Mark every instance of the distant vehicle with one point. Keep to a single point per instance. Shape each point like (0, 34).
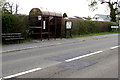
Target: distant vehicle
(101, 17)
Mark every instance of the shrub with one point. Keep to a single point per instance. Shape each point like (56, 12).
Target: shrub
(23, 25)
(9, 23)
(15, 24)
(81, 27)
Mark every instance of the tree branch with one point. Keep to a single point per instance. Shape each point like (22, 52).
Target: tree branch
(105, 2)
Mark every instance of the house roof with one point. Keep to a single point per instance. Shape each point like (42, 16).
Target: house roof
(102, 17)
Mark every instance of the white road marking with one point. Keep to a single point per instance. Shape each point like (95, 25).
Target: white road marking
(83, 56)
(114, 47)
(22, 73)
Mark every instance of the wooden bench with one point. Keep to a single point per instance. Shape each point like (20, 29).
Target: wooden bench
(12, 36)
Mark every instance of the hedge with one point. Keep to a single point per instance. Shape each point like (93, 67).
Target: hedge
(15, 24)
(9, 23)
(19, 23)
(81, 27)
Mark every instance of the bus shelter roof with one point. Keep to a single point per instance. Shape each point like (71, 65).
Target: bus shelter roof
(37, 11)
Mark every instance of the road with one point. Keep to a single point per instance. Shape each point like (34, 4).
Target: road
(51, 62)
(103, 65)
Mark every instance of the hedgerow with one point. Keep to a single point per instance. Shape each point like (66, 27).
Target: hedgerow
(19, 23)
(15, 24)
(81, 27)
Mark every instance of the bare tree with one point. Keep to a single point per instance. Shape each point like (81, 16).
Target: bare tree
(10, 8)
(1, 4)
(113, 6)
(7, 8)
(16, 9)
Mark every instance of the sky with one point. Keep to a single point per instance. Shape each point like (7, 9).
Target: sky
(71, 7)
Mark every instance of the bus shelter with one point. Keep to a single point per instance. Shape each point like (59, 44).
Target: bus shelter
(45, 24)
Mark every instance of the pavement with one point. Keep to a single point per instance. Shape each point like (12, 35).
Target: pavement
(46, 43)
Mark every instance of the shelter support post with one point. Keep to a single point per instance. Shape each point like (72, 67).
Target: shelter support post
(61, 28)
(65, 29)
(55, 27)
(41, 30)
(48, 27)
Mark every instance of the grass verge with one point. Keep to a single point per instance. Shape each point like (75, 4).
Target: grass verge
(93, 34)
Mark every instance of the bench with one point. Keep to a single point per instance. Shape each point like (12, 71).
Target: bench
(12, 36)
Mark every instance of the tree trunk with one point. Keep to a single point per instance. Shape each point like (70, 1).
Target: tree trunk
(112, 12)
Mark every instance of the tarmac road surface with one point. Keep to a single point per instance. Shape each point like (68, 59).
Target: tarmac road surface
(51, 62)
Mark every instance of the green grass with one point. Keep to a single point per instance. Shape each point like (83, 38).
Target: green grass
(93, 34)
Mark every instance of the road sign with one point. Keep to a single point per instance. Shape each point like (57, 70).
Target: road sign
(68, 25)
(44, 24)
(114, 27)
(39, 17)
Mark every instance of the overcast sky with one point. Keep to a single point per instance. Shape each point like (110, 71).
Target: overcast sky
(71, 7)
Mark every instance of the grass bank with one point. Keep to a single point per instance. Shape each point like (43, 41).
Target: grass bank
(92, 34)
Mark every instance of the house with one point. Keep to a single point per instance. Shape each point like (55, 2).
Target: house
(82, 18)
(101, 17)
(74, 18)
